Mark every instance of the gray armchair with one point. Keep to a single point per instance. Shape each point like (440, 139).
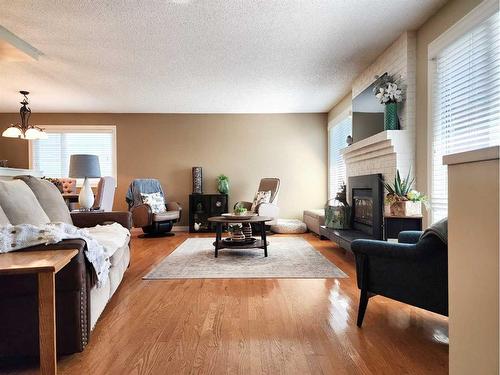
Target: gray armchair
(413, 271)
(270, 209)
(152, 224)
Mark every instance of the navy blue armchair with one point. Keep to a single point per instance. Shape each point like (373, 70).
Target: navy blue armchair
(413, 271)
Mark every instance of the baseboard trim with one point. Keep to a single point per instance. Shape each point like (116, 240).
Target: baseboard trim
(179, 228)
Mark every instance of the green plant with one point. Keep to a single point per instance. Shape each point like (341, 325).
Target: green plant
(239, 209)
(400, 187)
(401, 190)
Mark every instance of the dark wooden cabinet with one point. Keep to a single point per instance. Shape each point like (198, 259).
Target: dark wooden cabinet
(395, 224)
(203, 206)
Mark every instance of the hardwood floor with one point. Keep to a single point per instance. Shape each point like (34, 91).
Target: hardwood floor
(273, 326)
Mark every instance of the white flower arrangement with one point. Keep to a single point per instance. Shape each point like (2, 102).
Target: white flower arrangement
(388, 90)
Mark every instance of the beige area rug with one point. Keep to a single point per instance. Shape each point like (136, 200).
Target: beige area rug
(289, 257)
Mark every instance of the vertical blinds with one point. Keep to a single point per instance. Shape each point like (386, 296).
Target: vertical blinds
(337, 135)
(51, 156)
(466, 102)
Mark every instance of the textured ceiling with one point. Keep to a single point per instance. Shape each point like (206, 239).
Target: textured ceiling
(195, 56)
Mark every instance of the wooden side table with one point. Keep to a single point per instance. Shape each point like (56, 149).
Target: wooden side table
(45, 264)
(395, 224)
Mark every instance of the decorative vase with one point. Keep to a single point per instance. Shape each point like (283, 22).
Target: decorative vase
(247, 230)
(223, 185)
(403, 209)
(197, 180)
(337, 216)
(391, 120)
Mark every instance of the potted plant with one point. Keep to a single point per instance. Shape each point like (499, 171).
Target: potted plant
(389, 91)
(240, 210)
(401, 199)
(223, 184)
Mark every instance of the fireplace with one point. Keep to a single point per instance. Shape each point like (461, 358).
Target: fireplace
(367, 202)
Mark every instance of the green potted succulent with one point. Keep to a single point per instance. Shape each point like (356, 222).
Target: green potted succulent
(401, 199)
(223, 184)
(239, 209)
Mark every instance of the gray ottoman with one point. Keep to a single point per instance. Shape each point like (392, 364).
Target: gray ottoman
(314, 219)
(289, 226)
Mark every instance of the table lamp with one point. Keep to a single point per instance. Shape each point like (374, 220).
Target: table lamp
(85, 166)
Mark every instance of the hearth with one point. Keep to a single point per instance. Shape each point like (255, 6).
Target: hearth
(367, 202)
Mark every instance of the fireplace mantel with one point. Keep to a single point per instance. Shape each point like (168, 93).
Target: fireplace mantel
(384, 153)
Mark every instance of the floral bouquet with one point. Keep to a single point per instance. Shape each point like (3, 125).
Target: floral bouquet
(388, 89)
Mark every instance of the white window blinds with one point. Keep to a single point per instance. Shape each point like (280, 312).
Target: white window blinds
(337, 135)
(466, 102)
(51, 156)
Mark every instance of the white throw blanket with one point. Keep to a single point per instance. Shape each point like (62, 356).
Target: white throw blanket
(102, 241)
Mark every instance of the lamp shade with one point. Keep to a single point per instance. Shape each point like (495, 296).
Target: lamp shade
(82, 165)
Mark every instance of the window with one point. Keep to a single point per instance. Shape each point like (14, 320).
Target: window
(337, 135)
(465, 91)
(51, 156)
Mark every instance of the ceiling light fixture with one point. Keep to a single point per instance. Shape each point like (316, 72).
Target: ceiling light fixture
(24, 130)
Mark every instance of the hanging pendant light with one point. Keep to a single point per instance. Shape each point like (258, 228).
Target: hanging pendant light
(24, 130)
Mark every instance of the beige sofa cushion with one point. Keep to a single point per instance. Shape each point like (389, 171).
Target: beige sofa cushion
(50, 199)
(20, 204)
(3, 218)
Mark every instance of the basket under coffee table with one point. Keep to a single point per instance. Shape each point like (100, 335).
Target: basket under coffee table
(257, 244)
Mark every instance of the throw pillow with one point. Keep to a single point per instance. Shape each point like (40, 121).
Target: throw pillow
(50, 199)
(261, 197)
(4, 220)
(20, 204)
(155, 201)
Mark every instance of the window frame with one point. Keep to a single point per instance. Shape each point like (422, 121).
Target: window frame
(476, 16)
(345, 114)
(82, 129)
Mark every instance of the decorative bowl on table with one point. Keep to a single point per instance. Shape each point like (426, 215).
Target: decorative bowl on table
(235, 216)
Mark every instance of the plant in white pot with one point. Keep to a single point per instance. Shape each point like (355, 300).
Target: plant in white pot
(401, 199)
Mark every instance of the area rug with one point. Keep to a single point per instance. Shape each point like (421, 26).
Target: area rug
(289, 257)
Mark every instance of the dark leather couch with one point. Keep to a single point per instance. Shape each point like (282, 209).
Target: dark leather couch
(413, 271)
(18, 297)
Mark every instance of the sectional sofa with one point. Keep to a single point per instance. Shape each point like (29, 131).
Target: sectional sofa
(79, 302)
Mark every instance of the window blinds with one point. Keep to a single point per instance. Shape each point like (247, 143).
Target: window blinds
(466, 102)
(337, 135)
(51, 156)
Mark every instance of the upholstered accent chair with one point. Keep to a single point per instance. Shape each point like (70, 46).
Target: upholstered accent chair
(152, 224)
(270, 209)
(412, 271)
(105, 194)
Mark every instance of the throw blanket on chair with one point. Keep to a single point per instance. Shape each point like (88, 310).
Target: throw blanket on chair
(102, 241)
(439, 229)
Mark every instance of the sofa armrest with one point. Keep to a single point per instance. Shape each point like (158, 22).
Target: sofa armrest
(142, 216)
(384, 249)
(409, 236)
(91, 219)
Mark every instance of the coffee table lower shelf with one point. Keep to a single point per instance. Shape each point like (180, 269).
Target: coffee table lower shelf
(258, 244)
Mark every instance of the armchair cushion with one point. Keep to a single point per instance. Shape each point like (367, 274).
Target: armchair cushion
(384, 249)
(166, 215)
(155, 201)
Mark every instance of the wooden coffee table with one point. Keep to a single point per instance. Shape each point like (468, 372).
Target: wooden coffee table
(258, 244)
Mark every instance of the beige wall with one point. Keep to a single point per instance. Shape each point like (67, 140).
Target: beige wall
(243, 147)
